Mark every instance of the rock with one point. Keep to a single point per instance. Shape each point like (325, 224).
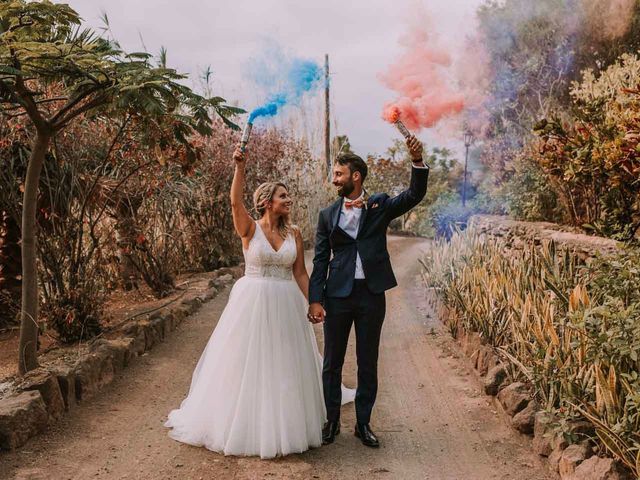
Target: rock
(203, 297)
(120, 351)
(161, 327)
(486, 360)
(544, 433)
(494, 380)
(93, 371)
(67, 381)
(130, 328)
(193, 304)
(554, 458)
(47, 384)
(524, 420)
(571, 457)
(151, 334)
(238, 270)
(597, 468)
(235, 272)
(222, 271)
(223, 280)
(170, 322)
(139, 343)
(179, 314)
(21, 417)
(210, 294)
(514, 398)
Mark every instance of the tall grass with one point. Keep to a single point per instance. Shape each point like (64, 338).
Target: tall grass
(571, 330)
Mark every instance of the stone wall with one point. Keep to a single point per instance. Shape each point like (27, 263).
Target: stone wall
(31, 403)
(519, 234)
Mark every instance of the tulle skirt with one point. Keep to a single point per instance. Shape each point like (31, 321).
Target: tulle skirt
(257, 388)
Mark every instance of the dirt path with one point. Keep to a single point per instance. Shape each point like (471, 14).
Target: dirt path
(431, 418)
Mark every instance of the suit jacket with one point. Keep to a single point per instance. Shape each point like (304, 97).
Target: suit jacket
(370, 243)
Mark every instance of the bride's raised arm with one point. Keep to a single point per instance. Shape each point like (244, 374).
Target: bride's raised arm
(242, 221)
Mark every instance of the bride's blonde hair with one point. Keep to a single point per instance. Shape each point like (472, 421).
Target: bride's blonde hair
(261, 198)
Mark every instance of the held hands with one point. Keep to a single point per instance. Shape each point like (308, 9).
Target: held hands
(316, 313)
(415, 148)
(239, 156)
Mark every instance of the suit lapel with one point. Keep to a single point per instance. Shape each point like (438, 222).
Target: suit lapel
(335, 213)
(363, 217)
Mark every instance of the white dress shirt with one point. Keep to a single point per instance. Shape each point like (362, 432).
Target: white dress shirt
(349, 222)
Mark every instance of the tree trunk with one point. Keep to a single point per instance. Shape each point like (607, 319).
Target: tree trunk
(126, 233)
(28, 356)
(10, 269)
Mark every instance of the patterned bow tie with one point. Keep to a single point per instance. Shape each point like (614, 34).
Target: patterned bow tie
(357, 203)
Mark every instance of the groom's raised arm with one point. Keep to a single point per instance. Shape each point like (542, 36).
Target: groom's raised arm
(320, 262)
(401, 204)
(406, 200)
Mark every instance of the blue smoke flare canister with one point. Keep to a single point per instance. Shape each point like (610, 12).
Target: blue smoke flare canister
(245, 135)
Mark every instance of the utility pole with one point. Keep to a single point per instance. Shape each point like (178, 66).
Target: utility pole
(327, 118)
(468, 141)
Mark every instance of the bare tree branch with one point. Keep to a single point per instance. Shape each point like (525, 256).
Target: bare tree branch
(96, 102)
(73, 101)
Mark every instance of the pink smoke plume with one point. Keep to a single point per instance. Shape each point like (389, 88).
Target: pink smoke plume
(422, 79)
(472, 69)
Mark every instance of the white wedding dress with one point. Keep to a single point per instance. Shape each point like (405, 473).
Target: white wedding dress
(257, 388)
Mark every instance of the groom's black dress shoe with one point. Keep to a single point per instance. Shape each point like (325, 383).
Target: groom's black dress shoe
(329, 432)
(366, 436)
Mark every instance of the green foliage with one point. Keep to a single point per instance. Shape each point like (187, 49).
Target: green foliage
(571, 330)
(568, 62)
(528, 194)
(44, 44)
(593, 160)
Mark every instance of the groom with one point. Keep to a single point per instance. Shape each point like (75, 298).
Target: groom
(354, 230)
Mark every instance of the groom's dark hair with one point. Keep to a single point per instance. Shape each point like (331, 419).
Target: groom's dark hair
(354, 162)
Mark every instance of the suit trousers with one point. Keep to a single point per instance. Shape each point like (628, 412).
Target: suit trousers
(366, 310)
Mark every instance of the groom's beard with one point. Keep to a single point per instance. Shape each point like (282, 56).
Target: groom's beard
(346, 189)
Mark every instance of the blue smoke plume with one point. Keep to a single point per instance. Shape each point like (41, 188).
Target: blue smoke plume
(290, 78)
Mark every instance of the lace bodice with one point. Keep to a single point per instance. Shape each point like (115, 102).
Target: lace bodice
(261, 260)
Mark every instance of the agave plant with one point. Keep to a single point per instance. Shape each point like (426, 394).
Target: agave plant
(570, 329)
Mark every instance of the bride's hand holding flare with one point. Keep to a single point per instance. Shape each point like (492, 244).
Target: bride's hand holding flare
(242, 221)
(239, 156)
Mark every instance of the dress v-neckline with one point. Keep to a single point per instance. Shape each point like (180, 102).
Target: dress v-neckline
(267, 239)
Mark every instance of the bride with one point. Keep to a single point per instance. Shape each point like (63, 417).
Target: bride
(257, 387)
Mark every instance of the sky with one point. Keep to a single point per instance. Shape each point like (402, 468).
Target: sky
(360, 36)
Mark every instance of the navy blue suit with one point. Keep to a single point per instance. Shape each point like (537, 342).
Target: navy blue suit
(361, 302)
